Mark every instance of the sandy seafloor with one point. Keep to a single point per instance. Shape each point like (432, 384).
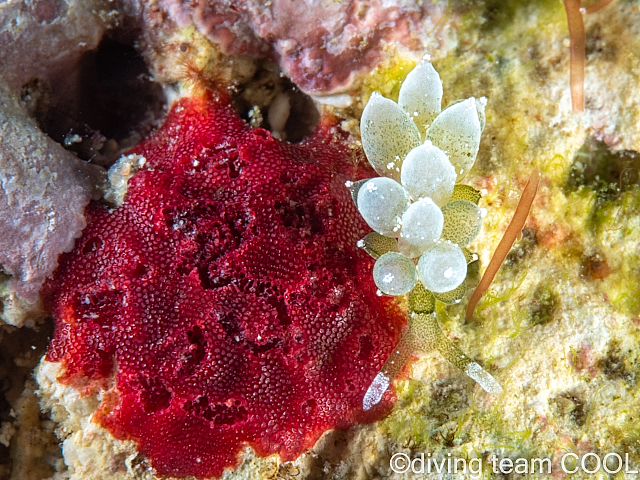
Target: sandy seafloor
(560, 326)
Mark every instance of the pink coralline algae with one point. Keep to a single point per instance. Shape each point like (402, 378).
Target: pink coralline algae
(45, 39)
(43, 192)
(320, 45)
(226, 295)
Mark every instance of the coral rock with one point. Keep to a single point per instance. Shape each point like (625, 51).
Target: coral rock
(46, 38)
(226, 293)
(320, 45)
(43, 192)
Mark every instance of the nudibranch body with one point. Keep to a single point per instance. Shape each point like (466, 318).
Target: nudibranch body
(419, 212)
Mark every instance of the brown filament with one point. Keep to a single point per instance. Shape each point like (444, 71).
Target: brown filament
(510, 235)
(577, 49)
(597, 6)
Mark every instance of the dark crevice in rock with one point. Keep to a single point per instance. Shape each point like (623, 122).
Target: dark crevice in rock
(596, 167)
(20, 351)
(264, 100)
(104, 105)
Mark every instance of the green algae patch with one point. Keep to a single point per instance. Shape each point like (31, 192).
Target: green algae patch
(445, 420)
(498, 14)
(624, 284)
(423, 414)
(387, 78)
(544, 303)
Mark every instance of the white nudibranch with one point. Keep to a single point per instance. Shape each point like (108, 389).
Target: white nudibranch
(421, 153)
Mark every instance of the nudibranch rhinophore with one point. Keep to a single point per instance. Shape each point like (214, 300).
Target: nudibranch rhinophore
(419, 211)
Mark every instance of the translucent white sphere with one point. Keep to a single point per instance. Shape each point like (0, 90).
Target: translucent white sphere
(427, 172)
(381, 202)
(462, 222)
(422, 223)
(442, 267)
(394, 274)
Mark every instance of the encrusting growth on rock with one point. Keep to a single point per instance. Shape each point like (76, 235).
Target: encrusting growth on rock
(225, 299)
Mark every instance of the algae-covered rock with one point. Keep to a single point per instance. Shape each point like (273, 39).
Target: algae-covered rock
(558, 329)
(322, 46)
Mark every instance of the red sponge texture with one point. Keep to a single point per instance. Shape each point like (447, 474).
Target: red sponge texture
(226, 296)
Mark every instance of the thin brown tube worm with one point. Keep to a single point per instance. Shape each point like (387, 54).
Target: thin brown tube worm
(597, 6)
(577, 49)
(510, 235)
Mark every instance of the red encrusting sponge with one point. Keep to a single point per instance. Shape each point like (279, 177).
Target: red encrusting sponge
(226, 295)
